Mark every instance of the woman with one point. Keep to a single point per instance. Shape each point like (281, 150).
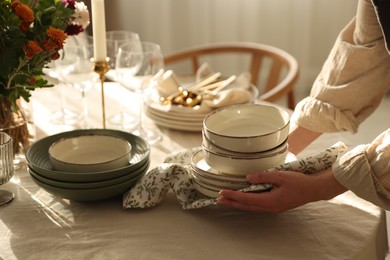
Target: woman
(349, 88)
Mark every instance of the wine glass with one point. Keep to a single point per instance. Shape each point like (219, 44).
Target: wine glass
(62, 115)
(114, 40)
(6, 167)
(77, 68)
(135, 70)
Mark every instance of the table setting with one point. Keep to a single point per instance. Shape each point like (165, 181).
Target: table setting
(166, 103)
(139, 225)
(138, 173)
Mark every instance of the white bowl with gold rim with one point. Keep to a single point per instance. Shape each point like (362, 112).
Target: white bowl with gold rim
(90, 153)
(242, 165)
(247, 128)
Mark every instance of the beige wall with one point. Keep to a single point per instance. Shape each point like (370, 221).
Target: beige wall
(305, 28)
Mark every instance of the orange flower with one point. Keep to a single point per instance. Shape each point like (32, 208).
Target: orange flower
(28, 51)
(56, 35)
(23, 12)
(34, 46)
(49, 45)
(31, 49)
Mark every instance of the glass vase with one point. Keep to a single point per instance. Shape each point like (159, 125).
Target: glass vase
(17, 122)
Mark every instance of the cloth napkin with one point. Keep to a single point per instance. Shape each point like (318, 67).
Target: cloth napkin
(237, 92)
(174, 174)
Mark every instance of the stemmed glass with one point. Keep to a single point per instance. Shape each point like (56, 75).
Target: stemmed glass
(6, 167)
(62, 115)
(114, 40)
(135, 70)
(77, 68)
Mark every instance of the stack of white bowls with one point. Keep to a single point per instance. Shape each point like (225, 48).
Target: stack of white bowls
(239, 140)
(88, 165)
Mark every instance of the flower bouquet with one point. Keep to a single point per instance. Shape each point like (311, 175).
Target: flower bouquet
(32, 32)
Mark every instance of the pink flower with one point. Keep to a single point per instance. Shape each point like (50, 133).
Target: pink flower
(69, 3)
(73, 29)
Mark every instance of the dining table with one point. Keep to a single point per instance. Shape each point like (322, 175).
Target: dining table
(41, 225)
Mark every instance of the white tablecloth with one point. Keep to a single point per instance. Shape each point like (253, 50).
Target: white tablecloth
(38, 225)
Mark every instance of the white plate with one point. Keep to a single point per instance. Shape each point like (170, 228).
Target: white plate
(176, 117)
(178, 111)
(174, 122)
(178, 125)
(199, 164)
(179, 118)
(217, 184)
(208, 181)
(207, 192)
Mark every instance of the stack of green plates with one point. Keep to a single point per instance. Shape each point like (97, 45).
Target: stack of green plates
(87, 186)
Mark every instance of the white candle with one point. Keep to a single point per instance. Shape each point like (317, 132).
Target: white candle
(99, 30)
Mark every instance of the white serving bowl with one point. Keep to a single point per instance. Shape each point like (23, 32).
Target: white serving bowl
(241, 165)
(199, 164)
(207, 144)
(247, 128)
(90, 153)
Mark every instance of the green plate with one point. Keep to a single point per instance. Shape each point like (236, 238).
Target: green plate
(90, 185)
(38, 159)
(85, 195)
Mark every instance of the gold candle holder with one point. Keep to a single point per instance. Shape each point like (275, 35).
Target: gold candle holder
(101, 68)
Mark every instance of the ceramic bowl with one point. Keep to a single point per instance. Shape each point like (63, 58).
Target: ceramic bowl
(92, 194)
(241, 165)
(247, 128)
(199, 164)
(89, 185)
(207, 144)
(38, 158)
(90, 153)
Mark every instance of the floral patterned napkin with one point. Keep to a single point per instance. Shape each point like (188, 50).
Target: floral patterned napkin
(174, 174)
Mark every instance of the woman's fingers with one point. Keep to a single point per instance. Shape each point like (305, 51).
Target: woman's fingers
(289, 190)
(237, 205)
(262, 201)
(275, 177)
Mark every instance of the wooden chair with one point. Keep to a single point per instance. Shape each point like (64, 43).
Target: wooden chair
(274, 71)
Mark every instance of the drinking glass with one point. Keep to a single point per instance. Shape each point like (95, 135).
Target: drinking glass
(77, 68)
(6, 167)
(114, 39)
(135, 70)
(62, 115)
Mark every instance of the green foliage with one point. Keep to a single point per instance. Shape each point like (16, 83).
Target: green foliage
(26, 48)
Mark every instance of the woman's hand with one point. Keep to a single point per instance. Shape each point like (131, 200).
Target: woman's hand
(290, 190)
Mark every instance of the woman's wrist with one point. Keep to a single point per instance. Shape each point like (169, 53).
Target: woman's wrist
(299, 138)
(326, 185)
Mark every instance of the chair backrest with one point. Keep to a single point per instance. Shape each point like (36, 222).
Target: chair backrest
(274, 71)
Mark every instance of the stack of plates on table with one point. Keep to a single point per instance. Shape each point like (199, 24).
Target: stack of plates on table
(180, 120)
(87, 186)
(209, 181)
(180, 117)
